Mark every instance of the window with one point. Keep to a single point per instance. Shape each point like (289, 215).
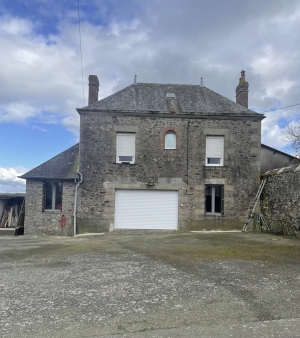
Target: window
(214, 151)
(170, 140)
(171, 96)
(52, 196)
(125, 148)
(214, 199)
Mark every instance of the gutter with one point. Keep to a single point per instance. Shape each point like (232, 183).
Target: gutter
(75, 199)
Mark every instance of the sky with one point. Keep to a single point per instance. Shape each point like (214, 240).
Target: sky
(162, 41)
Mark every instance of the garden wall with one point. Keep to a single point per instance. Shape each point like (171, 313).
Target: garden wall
(280, 199)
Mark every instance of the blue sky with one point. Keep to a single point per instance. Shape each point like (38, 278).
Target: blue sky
(162, 41)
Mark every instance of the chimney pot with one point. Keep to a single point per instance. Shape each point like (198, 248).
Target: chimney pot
(93, 88)
(242, 91)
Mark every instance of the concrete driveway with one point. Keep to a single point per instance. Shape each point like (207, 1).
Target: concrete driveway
(158, 285)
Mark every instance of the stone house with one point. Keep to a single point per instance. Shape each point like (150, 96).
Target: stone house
(151, 156)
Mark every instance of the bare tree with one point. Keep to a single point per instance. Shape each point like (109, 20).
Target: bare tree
(291, 134)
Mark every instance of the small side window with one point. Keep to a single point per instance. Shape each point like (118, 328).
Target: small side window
(52, 196)
(170, 140)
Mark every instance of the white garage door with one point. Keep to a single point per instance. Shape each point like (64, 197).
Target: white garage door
(146, 209)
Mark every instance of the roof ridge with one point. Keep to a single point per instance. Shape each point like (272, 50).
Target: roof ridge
(109, 96)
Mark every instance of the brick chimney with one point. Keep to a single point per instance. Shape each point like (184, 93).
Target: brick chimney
(242, 91)
(93, 88)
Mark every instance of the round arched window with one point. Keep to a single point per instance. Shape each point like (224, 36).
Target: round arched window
(170, 140)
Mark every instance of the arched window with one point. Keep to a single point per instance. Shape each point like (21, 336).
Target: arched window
(170, 140)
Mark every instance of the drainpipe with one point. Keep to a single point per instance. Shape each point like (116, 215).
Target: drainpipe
(75, 198)
(187, 156)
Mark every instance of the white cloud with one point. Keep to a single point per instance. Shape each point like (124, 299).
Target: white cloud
(161, 41)
(9, 181)
(17, 112)
(40, 129)
(15, 26)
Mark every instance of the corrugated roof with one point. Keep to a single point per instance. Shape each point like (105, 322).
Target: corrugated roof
(152, 97)
(61, 166)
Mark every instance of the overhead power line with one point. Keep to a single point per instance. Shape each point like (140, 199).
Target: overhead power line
(293, 105)
(79, 31)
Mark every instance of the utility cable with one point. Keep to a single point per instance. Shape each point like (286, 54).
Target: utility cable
(293, 105)
(80, 54)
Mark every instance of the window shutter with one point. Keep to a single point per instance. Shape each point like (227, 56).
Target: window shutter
(215, 147)
(62, 185)
(125, 145)
(44, 196)
(222, 196)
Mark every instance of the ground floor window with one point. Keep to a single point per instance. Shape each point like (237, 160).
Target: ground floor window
(52, 196)
(214, 199)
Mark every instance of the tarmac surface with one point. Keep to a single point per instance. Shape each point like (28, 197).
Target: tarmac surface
(201, 284)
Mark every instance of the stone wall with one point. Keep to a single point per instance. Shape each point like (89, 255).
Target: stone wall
(280, 198)
(182, 169)
(47, 222)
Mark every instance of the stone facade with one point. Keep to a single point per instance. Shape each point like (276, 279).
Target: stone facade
(47, 222)
(181, 169)
(212, 195)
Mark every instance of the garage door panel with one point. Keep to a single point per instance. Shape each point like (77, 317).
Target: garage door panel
(144, 209)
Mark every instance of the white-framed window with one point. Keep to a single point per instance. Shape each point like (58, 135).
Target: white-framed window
(125, 148)
(170, 140)
(214, 151)
(52, 196)
(214, 197)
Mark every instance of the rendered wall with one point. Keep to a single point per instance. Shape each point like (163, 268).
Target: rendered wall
(271, 159)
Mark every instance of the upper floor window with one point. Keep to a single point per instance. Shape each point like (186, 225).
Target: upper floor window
(214, 151)
(52, 196)
(170, 140)
(125, 148)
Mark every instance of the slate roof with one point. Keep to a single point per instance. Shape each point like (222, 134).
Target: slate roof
(151, 97)
(292, 168)
(62, 166)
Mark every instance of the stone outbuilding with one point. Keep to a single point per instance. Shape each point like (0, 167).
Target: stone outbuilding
(151, 156)
(272, 158)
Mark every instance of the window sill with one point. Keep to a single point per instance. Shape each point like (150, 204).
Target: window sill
(124, 163)
(213, 214)
(215, 166)
(52, 210)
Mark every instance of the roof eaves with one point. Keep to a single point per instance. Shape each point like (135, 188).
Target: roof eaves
(279, 151)
(48, 178)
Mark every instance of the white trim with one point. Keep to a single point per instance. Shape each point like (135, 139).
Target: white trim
(170, 132)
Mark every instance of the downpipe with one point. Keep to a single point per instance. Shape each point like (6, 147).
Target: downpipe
(75, 199)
